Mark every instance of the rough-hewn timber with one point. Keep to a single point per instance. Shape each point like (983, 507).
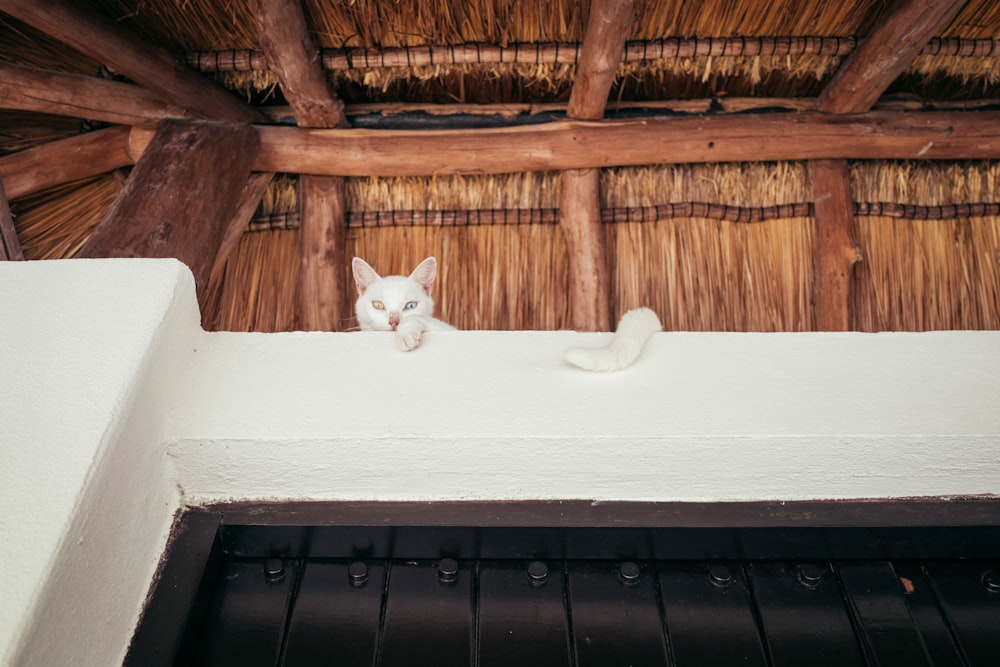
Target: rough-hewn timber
(180, 196)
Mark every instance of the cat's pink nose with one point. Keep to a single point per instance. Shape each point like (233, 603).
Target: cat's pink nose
(394, 321)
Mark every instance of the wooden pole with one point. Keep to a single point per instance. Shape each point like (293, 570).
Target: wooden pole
(180, 196)
(295, 60)
(151, 67)
(580, 219)
(10, 246)
(579, 196)
(322, 302)
(835, 249)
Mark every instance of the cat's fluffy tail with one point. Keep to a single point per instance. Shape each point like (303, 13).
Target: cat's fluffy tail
(634, 329)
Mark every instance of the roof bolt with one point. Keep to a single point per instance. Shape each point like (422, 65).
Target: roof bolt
(810, 575)
(991, 580)
(274, 570)
(629, 572)
(357, 573)
(448, 570)
(720, 575)
(538, 572)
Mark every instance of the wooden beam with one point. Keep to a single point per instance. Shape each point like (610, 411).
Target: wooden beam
(952, 135)
(322, 268)
(295, 60)
(79, 96)
(579, 195)
(180, 196)
(10, 246)
(880, 135)
(66, 160)
(885, 53)
(151, 67)
(835, 247)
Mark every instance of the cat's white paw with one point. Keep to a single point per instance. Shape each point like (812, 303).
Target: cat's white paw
(408, 340)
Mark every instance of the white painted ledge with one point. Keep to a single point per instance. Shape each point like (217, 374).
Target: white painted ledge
(499, 415)
(116, 409)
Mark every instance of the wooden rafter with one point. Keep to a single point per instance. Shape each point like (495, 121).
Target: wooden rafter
(885, 53)
(579, 196)
(151, 67)
(295, 60)
(79, 96)
(855, 88)
(239, 221)
(58, 162)
(10, 246)
(180, 197)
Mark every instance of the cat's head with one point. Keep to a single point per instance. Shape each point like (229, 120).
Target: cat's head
(384, 302)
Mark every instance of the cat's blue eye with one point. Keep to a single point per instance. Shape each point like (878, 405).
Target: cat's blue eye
(410, 305)
(378, 305)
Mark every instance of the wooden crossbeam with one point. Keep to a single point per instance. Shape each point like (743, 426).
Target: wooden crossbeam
(879, 135)
(149, 66)
(180, 196)
(10, 246)
(79, 96)
(295, 60)
(579, 195)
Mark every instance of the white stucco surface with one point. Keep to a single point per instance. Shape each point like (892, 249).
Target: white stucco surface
(86, 350)
(116, 409)
(484, 415)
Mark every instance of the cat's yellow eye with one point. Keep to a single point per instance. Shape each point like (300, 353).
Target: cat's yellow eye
(410, 305)
(378, 305)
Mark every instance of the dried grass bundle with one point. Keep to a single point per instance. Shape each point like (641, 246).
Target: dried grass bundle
(20, 130)
(23, 45)
(257, 289)
(933, 274)
(56, 223)
(705, 275)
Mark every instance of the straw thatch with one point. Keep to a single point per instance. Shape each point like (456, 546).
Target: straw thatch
(709, 246)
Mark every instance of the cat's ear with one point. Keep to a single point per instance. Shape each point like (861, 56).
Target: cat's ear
(364, 275)
(425, 274)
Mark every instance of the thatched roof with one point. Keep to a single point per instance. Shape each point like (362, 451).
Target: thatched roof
(722, 134)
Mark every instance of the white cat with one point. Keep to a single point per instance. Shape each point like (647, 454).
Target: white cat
(397, 303)
(403, 304)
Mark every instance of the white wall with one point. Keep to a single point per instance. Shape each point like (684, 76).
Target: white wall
(115, 409)
(88, 352)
